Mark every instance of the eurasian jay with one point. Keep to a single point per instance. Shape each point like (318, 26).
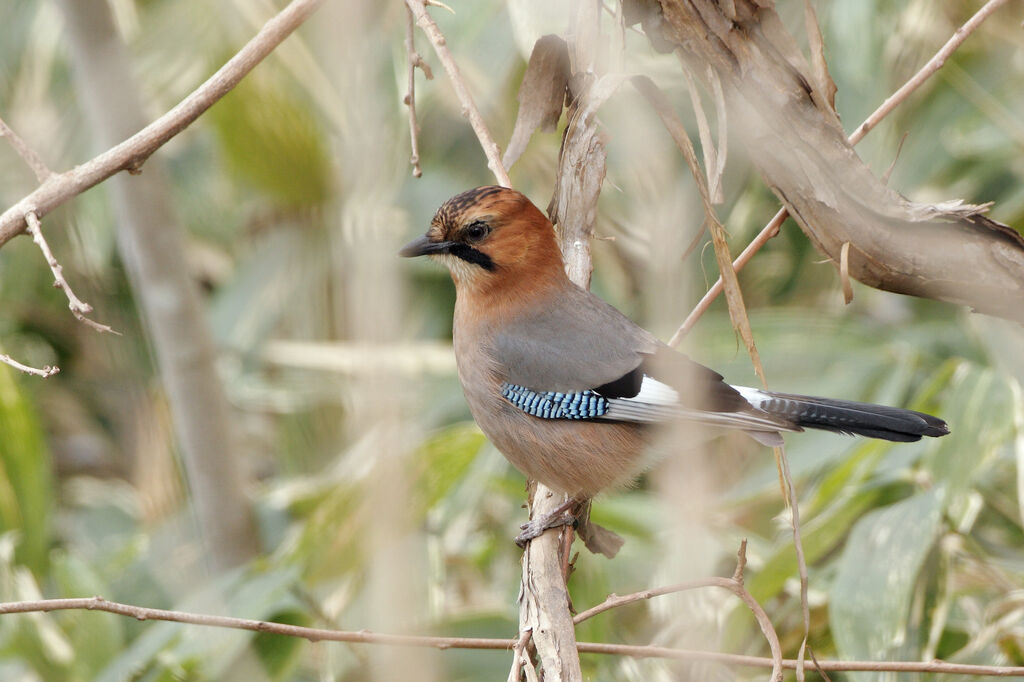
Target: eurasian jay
(565, 386)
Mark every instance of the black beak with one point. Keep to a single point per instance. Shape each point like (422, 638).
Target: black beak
(422, 246)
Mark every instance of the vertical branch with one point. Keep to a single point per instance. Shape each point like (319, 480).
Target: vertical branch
(415, 60)
(469, 108)
(152, 247)
(544, 601)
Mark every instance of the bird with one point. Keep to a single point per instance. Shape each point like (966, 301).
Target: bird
(566, 386)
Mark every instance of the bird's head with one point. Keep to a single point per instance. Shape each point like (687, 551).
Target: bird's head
(488, 236)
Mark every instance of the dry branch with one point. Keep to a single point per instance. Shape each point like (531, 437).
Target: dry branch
(129, 155)
(366, 637)
(415, 61)
(544, 597)
(44, 372)
(469, 108)
(733, 584)
(948, 252)
(78, 307)
(772, 228)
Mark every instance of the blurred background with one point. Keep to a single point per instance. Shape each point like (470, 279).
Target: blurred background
(278, 432)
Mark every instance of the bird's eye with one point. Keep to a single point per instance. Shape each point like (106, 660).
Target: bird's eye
(476, 231)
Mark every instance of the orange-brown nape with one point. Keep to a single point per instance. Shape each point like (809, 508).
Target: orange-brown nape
(491, 238)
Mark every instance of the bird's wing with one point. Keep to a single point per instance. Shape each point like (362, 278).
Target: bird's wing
(574, 341)
(580, 358)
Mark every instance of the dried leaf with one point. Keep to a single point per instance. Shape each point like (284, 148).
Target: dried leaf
(711, 163)
(844, 273)
(541, 94)
(730, 283)
(581, 170)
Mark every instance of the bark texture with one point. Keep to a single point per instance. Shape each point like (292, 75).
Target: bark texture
(949, 251)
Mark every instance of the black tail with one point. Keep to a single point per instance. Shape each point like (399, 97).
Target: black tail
(847, 416)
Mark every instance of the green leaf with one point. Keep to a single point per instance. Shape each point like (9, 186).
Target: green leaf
(877, 576)
(272, 141)
(444, 458)
(26, 489)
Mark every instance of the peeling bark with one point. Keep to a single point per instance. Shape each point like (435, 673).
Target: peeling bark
(948, 252)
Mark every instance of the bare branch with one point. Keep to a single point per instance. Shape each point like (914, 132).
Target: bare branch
(469, 109)
(790, 664)
(926, 71)
(733, 584)
(27, 154)
(798, 544)
(129, 155)
(415, 60)
(544, 597)
(519, 657)
(366, 637)
(767, 232)
(45, 372)
(79, 308)
(772, 228)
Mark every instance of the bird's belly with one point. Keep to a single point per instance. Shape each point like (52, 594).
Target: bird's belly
(576, 457)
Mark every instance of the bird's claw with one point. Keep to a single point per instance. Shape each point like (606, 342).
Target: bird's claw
(535, 528)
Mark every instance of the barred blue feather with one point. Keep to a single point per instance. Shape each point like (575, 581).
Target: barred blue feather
(554, 405)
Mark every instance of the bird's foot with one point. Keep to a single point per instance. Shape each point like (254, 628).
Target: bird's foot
(536, 527)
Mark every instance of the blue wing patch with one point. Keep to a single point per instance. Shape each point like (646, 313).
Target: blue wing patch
(552, 405)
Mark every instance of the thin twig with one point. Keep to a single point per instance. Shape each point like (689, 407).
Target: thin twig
(469, 109)
(27, 154)
(133, 152)
(926, 71)
(817, 665)
(801, 560)
(366, 637)
(518, 654)
(940, 667)
(772, 228)
(614, 601)
(79, 308)
(766, 233)
(733, 584)
(47, 371)
(415, 60)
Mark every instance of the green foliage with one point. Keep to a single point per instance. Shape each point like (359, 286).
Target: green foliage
(273, 142)
(26, 491)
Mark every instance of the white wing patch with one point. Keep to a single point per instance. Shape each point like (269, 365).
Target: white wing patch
(659, 402)
(753, 396)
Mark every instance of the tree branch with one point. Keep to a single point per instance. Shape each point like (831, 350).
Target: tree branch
(129, 155)
(772, 228)
(27, 154)
(469, 109)
(415, 60)
(733, 584)
(45, 372)
(78, 307)
(366, 637)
